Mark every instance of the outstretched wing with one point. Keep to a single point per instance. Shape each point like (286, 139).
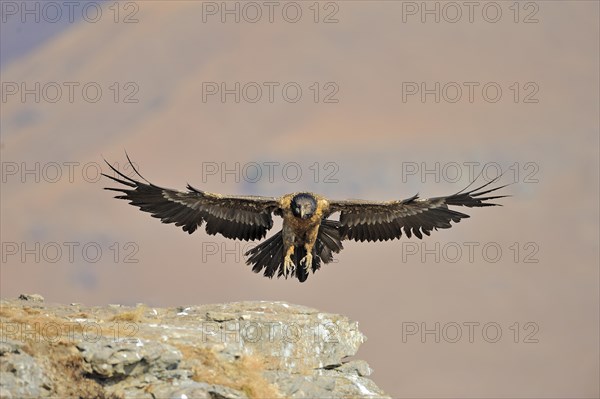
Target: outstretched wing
(237, 217)
(382, 221)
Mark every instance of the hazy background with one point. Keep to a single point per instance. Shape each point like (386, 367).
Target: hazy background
(153, 62)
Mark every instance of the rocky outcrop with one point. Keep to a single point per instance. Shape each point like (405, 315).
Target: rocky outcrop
(235, 350)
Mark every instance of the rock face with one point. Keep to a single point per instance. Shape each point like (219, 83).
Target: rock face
(235, 350)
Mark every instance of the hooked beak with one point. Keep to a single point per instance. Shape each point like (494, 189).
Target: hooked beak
(303, 214)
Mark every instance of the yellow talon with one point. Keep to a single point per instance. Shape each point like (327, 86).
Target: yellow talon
(288, 266)
(307, 262)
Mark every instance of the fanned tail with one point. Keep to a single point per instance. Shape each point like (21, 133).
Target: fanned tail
(268, 255)
(329, 240)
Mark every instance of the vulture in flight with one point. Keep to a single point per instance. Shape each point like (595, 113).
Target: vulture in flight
(308, 237)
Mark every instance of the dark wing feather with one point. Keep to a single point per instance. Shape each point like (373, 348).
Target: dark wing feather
(237, 217)
(381, 221)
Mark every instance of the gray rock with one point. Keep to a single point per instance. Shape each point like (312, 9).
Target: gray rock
(108, 359)
(288, 336)
(197, 390)
(307, 386)
(220, 316)
(10, 346)
(31, 297)
(328, 383)
(20, 374)
(358, 367)
(234, 350)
